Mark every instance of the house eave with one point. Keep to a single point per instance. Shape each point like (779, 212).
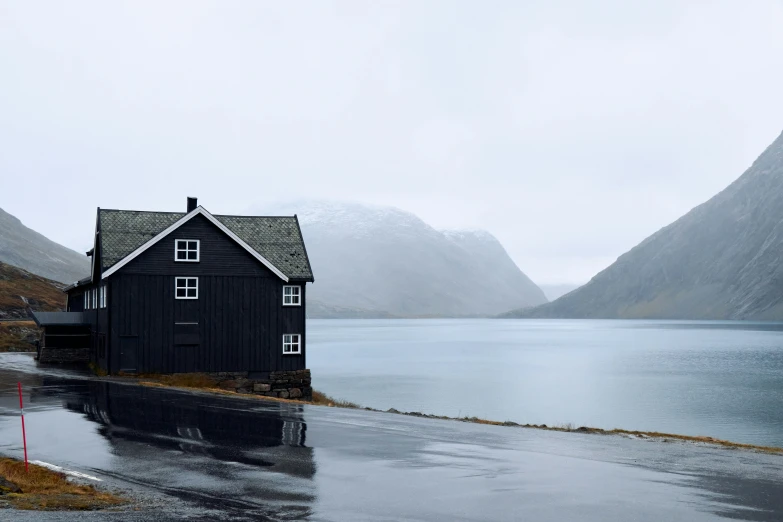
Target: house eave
(76, 284)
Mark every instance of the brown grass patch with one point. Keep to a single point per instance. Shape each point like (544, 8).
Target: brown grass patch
(41, 293)
(181, 380)
(322, 399)
(44, 489)
(97, 370)
(692, 438)
(15, 335)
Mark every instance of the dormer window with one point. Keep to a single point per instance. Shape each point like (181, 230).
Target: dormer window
(186, 250)
(292, 296)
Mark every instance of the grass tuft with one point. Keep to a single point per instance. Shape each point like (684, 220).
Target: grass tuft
(97, 370)
(324, 400)
(44, 489)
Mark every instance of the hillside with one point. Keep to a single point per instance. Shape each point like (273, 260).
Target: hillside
(26, 248)
(386, 260)
(20, 290)
(722, 260)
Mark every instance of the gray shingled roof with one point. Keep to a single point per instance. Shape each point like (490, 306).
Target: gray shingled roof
(277, 239)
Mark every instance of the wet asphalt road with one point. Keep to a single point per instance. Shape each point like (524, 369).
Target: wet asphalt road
(191, 456)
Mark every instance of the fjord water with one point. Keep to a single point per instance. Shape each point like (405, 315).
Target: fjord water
(719, 379)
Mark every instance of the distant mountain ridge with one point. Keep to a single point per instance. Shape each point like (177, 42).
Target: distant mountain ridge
(721, 260)
(23, 247)
(382, 259)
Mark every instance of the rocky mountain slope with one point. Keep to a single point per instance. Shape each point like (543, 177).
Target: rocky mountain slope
(722, 260)
(26, 248)
(389, 261)
(19, 291)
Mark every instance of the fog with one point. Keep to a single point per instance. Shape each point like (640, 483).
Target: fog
(570, 130)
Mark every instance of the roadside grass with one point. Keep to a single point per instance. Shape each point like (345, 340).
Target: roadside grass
(44, 489)
(182, 380)
(692, 438)
(322, 399)
(200, 381)
(208, 384)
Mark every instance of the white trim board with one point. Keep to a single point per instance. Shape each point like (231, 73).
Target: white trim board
(184, 219)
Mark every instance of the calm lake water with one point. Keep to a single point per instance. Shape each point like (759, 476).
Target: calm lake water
(722, 379)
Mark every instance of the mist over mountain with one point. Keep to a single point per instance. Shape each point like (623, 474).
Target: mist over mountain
(721, 260)
(553, 292)
(27, 249)
(386, 260)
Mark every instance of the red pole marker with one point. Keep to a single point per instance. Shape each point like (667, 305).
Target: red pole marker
(24, 436)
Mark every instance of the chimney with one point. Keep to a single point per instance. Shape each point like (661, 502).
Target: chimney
(192, 204)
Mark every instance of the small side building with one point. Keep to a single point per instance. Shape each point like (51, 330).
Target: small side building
(181, 292)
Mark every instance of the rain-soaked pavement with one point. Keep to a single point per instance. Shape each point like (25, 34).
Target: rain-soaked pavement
(192, 456)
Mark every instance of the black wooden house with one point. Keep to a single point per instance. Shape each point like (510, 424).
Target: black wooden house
(175, 292)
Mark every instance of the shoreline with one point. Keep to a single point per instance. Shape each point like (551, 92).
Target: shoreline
(329, 402)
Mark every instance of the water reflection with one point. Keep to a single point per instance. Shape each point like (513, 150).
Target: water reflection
(218, 451)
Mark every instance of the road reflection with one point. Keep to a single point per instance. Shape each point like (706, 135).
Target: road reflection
(222, 452)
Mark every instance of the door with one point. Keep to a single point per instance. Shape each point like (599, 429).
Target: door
(128, 348)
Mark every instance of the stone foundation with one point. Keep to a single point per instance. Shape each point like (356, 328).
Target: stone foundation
(64, 355)
(295, 384)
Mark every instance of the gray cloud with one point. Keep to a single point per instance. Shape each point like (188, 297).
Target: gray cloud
(571, 130)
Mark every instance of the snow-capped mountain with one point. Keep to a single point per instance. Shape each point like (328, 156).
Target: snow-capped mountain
(382, 258)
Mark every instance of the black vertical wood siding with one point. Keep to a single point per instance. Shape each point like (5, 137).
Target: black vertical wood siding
(240, 324)
(239, 311)
(75, 301)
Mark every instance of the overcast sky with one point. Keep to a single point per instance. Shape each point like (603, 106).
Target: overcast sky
(571, 130)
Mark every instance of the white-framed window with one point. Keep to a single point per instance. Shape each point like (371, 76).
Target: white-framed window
(86, 300)
(187, 250)
(292, 344)
(94, 299)
(292, 296)
(186, 287)
(102, 297)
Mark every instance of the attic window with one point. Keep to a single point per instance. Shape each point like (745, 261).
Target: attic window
(186, 287)
(292, 296)
(186, 250)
